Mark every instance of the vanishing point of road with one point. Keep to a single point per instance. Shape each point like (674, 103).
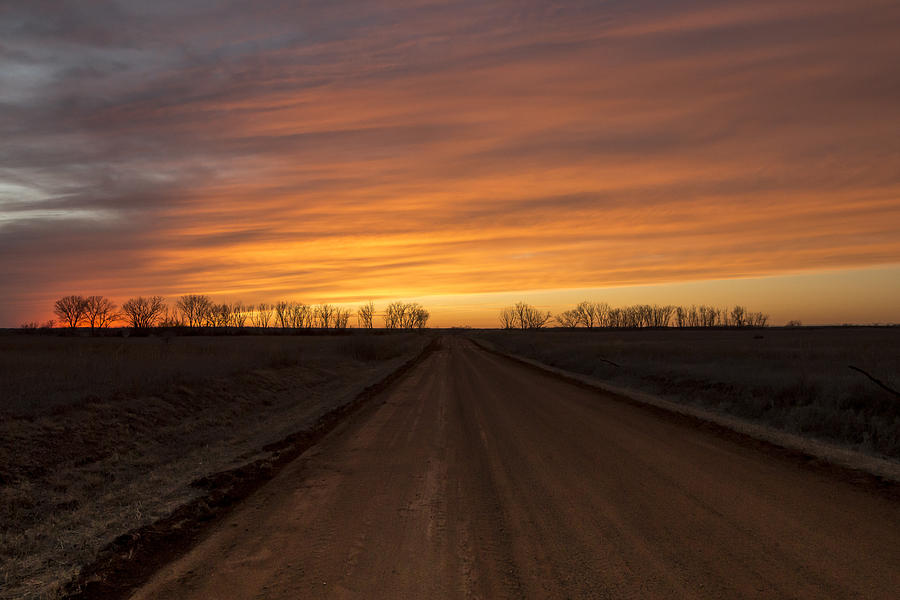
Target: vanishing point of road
(477, 477)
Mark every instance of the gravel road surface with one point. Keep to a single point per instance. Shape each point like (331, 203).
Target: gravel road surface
(477, 477)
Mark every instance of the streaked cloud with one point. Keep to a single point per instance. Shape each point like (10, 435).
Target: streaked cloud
(345, 150)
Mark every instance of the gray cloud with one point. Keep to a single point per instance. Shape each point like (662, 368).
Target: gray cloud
(140, 138)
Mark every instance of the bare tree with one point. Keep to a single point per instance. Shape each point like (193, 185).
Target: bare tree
(262, 316)
(616, 317)
(341, 317)
(403, 315)
(601, 312)
(394, 315)
(298, 315)
(71, 310)
(568, 318)
(661, 315)
(325, 315)
(693, 317)
(143, 313)
(680, 316)
(99, 312)
(586, 314)
(310, 317)
(529, 317)
(416, 316)
(758, 319)
(364, 315)
(194, 308)
(282, 314)
(217, 315)
(708, 316)
(238, 314)
(171, 318)
(508, 318)
(738, 317)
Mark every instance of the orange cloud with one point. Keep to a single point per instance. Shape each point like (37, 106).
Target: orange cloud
(433, 149)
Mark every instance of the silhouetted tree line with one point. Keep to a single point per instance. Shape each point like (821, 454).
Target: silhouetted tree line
(200, 311)
(523, 316)
(599, 314)
(401, 315)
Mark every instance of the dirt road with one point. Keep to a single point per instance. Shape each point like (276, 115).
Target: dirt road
(478, 477)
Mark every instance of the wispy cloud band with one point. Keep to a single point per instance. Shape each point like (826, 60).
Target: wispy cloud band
(341, 150)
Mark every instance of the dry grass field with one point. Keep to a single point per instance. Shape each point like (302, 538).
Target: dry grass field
(795, 379)
(99, 436)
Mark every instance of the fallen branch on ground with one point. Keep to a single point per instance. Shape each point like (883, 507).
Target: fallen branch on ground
(878, 382)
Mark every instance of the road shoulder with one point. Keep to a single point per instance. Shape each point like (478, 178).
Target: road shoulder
(870, 471)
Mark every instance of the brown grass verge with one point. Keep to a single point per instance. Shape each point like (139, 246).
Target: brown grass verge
(90, 455)
(131, 558)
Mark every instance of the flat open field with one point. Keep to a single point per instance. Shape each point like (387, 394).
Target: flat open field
(477, 477)
(472, 476)
(796, 380)
(99, 436)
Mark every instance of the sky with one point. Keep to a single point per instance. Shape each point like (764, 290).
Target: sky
(464, 154)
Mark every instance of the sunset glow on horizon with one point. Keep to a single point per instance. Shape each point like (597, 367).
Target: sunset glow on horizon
(462, 154)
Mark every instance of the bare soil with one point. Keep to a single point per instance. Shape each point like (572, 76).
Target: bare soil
(478, 477)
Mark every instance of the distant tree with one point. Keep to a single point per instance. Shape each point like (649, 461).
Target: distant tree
(568, 318)
(364, 315)
(298, 315)
(262, 316)
(171, 317)
(586, 314)
(70, 310)
(310, 317)
(194, 308)
(282, 314)
(394, 315)
(738, 317)
(325, 315)
(709, 316)
(100, 312)
(757, 319)
(29, 326)
(341, 317)
(217, 315)
(601, 312)
(661, 315)
(616, 318)
(238, 314)
(529, 317)
(403, 315)
(416, 316)
(794, 323)
(143, 313)
(680, 316)
(508, 318)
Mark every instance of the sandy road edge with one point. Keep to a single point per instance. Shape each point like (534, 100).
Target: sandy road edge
(129, 560)
(873, 472)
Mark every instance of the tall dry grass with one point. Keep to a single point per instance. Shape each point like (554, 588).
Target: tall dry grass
(101, 436)
(44, 372)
